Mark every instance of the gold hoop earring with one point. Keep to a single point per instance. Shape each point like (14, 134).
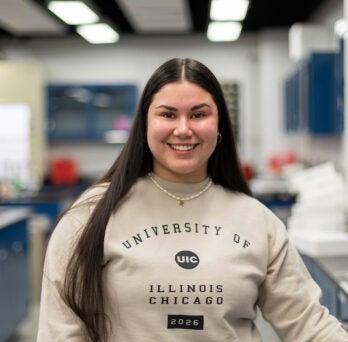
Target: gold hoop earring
(219, 138)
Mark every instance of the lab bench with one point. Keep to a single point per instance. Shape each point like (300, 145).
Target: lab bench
(21, 275)
(14, 269)
(331, 274)
(51, 201)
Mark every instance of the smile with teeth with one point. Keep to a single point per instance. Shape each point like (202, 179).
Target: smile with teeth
(182, 147)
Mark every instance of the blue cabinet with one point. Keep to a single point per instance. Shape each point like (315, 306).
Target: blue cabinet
(314, 95)
(322, 116)
(88, 112)
(296, 99)
(14, 272)
(339, 86)
(292, 91)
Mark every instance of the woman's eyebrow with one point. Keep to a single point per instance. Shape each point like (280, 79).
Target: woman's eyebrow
(192, 108)
(167, 107)
(199, 106)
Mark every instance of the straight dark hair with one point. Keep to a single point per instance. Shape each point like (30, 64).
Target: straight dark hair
(83, 287)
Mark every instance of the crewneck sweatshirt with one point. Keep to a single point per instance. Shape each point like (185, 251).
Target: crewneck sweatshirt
(191, 273)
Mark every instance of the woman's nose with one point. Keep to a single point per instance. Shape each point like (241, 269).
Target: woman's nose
(183, 127)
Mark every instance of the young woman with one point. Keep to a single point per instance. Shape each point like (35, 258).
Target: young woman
(169, 245)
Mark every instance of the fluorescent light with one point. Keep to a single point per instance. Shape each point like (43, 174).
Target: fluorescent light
(73, 12)
(98, 33)
(224, 31)
(341, 27)
(228, 10)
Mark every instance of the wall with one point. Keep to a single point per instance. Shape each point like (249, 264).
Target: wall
(274, 64)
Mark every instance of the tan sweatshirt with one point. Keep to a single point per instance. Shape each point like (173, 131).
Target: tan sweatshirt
(191, 273)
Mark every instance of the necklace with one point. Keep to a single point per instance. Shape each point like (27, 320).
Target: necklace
(181, 200)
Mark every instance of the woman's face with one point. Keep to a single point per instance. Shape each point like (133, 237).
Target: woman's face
(182, 130)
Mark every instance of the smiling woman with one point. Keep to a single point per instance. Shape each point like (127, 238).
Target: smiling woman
(169, 245)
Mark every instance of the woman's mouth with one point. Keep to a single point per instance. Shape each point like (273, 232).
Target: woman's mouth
(185, 147)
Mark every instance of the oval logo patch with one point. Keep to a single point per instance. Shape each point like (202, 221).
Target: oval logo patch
(187, 259)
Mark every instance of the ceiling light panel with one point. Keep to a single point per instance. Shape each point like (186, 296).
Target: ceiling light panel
(228, 9)
(73, 12)
(22, 17)
(224, 31)
(98, 33)
(157, 16)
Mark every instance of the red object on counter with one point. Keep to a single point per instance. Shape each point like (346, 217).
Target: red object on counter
(247, 171)
(277, 161)
(63, 172)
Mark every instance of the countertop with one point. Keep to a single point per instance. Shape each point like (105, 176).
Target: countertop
(9, 216)
(47, 194)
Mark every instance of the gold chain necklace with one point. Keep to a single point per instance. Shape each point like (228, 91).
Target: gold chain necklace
(181, 200)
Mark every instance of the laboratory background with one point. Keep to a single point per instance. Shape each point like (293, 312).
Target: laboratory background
(67, 100)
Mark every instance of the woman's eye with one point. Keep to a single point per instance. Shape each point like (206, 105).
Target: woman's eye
(168, 115)
(198, 115)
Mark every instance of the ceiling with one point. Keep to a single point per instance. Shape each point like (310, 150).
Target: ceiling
(25, 19)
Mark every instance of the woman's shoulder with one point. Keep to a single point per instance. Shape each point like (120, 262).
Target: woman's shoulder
(92, 194)
(75, 217)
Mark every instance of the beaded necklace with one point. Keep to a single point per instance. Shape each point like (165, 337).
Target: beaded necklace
(181, 200)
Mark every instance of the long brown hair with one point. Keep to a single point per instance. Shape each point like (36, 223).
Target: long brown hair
(83, 288)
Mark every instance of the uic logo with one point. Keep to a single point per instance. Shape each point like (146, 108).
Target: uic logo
(187, 259)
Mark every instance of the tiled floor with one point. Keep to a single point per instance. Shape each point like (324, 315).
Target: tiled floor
(28, 329)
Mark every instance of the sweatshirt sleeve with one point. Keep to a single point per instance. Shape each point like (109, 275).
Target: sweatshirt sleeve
(57, 322)
(289, 298)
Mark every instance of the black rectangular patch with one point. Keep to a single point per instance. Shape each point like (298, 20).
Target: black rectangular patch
(185, 322)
